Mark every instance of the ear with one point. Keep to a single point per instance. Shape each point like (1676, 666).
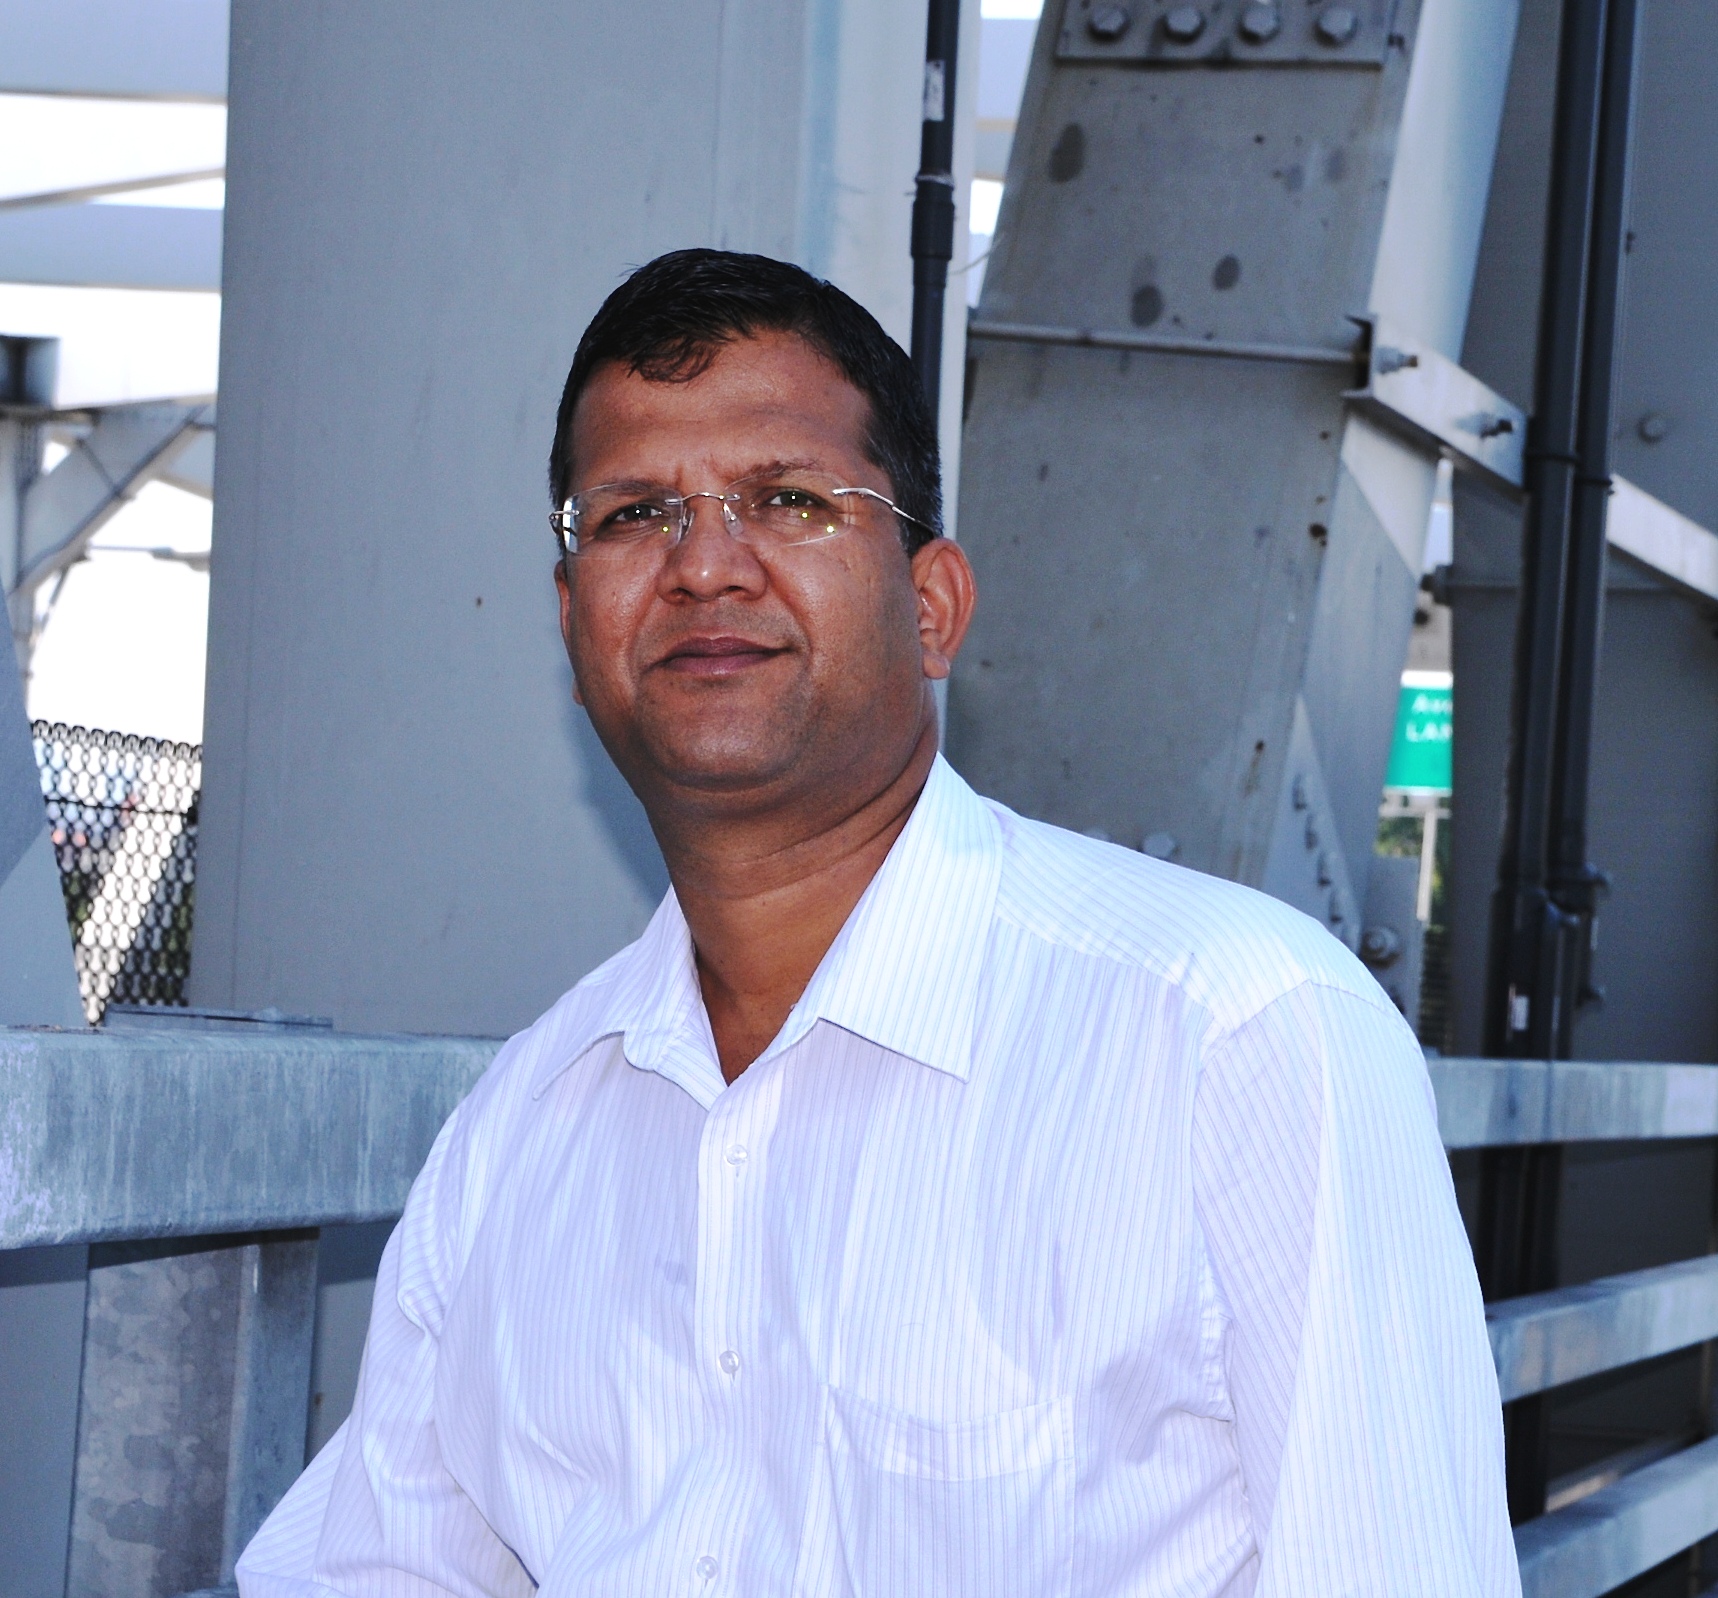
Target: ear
(947, 595)
(566, 595)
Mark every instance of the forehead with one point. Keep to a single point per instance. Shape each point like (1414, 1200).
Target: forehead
(768, 397)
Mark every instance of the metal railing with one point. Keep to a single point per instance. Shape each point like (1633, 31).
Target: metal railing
(178, 1133)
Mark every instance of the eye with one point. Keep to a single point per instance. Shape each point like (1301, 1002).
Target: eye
(636, 514)
(796, 499)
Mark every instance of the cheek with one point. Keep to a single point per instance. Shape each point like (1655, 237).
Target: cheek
(605, 618)
(864, 623)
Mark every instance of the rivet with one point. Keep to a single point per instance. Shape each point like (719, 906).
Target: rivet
(1184, 24)
(1159, 845)
(1337, 25)
(1109, 23)
(1260, 22)
(1653, 428)
(1324, 877)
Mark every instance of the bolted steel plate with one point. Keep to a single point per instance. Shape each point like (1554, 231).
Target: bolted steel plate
(1159, 33)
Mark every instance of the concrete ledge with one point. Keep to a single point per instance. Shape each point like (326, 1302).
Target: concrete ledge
(1487, 1103)
(1607, 1539)
(170, 1133)
(1547, 1339)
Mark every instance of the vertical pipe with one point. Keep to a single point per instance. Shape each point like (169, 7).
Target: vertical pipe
(933, 198)
(1526, 926)
(1575, 883)
(1528, 997)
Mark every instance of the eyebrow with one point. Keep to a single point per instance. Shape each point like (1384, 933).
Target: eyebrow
(761, 469)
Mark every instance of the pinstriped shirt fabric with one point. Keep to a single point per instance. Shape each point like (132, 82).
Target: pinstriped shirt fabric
(1084, 1232)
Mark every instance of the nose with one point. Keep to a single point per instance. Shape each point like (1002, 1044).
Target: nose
(709, 561)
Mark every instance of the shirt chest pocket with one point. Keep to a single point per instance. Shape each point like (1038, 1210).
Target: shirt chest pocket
(904, 1508)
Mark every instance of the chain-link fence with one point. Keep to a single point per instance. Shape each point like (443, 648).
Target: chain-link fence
(123, 810)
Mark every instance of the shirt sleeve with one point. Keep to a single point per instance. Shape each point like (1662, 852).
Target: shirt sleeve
(1365, 1399)
(378, 1514)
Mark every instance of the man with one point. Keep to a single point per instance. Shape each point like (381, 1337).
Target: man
(931, 1202)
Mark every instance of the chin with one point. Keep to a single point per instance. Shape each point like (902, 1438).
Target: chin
(726, 765)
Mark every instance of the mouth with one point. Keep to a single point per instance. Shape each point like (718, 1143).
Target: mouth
(723, 655)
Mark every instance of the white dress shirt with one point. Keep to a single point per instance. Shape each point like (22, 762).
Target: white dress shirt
(1085, 1231)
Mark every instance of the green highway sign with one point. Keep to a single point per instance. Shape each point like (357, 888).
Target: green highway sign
(1420, 754)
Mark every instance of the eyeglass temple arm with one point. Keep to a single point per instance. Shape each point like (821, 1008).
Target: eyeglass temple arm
(883, 499)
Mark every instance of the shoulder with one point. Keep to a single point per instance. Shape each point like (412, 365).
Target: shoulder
(485, 1125)
(1229, 949)
(556, 1040)
(479, 1141)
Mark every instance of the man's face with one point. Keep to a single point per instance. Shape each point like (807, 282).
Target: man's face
(727, 673)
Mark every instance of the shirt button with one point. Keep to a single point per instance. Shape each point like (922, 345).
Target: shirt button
(729, 1361)
(707, 1568)
(736, 1155)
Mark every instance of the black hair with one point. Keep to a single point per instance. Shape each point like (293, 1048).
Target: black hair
(669, 318)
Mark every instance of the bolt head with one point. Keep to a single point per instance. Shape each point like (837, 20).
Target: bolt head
(1184, 24)
(1653, 427)
(1337, 25)
(1260, 22)
(1380, 945)
(1159, 845)
(1109, 23)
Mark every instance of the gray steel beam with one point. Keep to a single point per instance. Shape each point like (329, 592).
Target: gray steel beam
(193, 469)
(1663, 540)
(184, 1134)
(169, 50)
(65, 508)
(1620, 1531)
(1546, 1339)
(365, 348)
(112, 246)
(1491, 1103)
(1197, 556)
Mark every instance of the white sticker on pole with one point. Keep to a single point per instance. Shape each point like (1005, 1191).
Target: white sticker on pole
(934, 108)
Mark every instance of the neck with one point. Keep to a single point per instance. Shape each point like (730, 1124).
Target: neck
(764, 901)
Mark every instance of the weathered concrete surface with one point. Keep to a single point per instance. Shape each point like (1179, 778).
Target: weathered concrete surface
(185, 1134)
(1483, 1103)
(1622, 1530)
(1547, 1339)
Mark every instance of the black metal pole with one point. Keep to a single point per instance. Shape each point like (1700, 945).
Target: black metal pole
(1577, 885)
(1547, 890)
(1527, 928)
(933, 198)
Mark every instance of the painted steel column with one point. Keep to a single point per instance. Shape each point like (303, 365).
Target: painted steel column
(406, 823)
(1196, 566)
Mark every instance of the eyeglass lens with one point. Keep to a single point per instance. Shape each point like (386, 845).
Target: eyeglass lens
(774, 509)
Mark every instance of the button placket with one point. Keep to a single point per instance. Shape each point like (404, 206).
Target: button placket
(726, 1310)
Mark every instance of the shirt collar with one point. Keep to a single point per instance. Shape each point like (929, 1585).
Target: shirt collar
(903, 972)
